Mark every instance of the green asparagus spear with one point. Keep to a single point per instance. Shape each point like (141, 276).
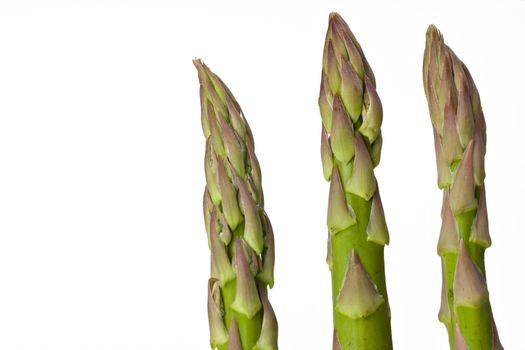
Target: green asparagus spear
(239, 232)
(350, 149)
(460, 139)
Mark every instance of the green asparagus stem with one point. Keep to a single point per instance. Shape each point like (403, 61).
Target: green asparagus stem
(239, 232)
(350, 149)
(460, 140)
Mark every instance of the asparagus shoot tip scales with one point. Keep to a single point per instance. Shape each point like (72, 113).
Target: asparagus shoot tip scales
(239, 232)
(460, 140)
(351, 141)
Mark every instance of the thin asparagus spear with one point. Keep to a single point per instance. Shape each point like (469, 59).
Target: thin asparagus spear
(460, 139)
(239, 232)
(350, 149)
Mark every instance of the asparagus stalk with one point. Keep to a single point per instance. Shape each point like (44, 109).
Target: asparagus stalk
(460, 139)
(351, 142)
(239, 232)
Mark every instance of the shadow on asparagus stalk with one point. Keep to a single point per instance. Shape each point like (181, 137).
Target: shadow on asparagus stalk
(350, 149)
(239, 232)
(460, 139)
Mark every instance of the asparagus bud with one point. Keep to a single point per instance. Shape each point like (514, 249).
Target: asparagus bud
(239, 232)
(459, 138)
(351, 142)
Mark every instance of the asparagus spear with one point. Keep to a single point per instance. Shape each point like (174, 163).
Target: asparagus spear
(460, 139)
(350, 149)
(239, 232)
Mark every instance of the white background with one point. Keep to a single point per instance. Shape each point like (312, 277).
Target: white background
(102, 242)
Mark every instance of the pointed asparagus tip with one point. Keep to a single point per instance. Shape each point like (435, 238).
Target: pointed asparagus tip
(201, 69)
(334, 16)
(470, 287)
(434, 33)
(197, 62)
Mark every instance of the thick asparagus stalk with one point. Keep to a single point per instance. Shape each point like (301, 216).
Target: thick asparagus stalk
(239, 232)
(460, 139)
(350, 149)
